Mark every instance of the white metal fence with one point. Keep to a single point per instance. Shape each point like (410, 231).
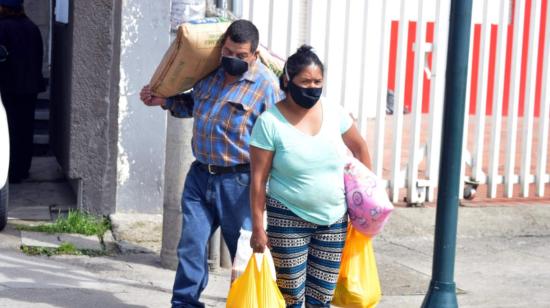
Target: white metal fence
(369, 47)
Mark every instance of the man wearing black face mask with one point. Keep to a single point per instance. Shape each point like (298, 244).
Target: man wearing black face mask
(224, 106)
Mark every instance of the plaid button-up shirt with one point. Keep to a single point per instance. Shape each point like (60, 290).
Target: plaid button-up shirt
(224, 116)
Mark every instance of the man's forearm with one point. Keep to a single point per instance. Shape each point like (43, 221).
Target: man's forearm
(180, 106)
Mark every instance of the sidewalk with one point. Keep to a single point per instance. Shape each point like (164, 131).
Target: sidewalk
(502, 261)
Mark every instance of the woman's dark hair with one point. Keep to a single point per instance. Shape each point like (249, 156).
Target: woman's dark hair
(302, 58)
(242, 31)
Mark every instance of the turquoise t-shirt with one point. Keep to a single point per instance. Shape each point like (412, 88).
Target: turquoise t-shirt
(307, 173)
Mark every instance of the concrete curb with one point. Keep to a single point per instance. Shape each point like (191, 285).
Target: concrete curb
(40, 239)
(472, 222)
(137, 232)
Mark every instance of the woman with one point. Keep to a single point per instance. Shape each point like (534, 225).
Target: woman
(299, 146)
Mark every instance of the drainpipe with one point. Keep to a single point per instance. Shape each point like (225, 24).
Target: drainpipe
(179, 157)
(442, 290)
(237, 8)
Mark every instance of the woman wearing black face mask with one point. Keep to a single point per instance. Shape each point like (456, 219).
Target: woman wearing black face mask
(299, 145)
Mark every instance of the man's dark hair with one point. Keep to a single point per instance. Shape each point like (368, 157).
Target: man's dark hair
(301, 59)
(243, 31)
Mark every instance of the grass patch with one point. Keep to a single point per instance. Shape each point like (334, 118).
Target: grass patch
(63, 249)
(75, 222)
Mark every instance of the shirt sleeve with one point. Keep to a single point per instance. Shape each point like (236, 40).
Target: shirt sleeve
(181, 105)
(262, 134)
(345, 121)
(273, 95)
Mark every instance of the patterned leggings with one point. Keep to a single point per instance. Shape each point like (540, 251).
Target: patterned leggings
(306, 256)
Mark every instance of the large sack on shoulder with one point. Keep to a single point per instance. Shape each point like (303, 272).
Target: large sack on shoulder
(195, 53)
(192, 55)
(275, 63)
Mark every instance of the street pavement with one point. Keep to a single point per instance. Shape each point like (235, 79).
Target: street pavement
(502, 260)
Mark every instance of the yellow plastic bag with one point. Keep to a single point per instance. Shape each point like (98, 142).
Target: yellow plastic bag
(255, 288)
(358, 284)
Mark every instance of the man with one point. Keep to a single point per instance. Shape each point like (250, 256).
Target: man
(224, 106)
(20, 82)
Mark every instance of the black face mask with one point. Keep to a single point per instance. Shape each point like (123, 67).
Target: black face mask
(234, 66)
(304, 97)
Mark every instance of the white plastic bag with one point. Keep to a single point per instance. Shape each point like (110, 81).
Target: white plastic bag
(243, 254)
(185, 11)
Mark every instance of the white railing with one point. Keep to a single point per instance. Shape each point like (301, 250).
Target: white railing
(355, 39)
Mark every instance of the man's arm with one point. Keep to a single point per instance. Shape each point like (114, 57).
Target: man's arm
(272, 95)
(180, 106)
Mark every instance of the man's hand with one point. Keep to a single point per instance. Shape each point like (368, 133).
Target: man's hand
(148, 99)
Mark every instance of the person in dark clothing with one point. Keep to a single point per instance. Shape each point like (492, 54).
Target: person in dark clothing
(20, 82)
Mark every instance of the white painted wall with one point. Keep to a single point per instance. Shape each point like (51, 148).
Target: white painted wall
(145, 36)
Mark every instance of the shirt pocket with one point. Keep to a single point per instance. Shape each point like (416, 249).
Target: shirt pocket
(237, 117)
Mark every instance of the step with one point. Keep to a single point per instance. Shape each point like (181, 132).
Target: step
(41, 127)
(43, 103)
(42, 114)
(42, 110)
(41, 139)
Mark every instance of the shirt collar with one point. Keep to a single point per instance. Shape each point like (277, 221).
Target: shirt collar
(252, 73)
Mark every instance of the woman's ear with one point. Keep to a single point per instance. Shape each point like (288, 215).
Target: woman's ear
(285, 82)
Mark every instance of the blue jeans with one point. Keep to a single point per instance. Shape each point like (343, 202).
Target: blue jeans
(208, 202)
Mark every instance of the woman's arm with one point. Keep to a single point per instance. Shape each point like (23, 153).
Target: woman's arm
(357, 145)
(260, 165)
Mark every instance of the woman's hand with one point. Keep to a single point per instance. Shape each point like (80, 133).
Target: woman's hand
(259, 241)
(146, 96)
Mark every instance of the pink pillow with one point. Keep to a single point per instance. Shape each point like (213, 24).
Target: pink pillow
(368, 204)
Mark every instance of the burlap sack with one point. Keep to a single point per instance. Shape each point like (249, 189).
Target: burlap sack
(192, 55)
(271, 60)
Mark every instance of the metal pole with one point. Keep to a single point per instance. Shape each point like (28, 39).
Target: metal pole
(178, 159)
(442, 291)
